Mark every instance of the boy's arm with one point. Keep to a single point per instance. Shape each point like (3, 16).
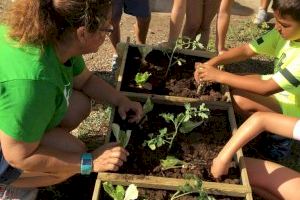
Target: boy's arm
(256, 124)
(248, 83)
(232, 55)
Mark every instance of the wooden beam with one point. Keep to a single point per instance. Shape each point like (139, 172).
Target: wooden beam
(173, 184)
(173, 100)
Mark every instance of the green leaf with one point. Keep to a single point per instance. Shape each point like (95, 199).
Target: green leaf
(121, 136)
(148, 106)
(171, 162)
(188, 126)
(198, 37)
(167, 116)
(179, 119)
(113, 193)
(141, 78)
(120, 192)
(131, 192)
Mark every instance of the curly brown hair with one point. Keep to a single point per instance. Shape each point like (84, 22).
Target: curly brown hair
(40, 22)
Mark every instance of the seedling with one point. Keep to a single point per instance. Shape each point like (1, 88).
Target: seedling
(121, 136)
(171, 163)
(182, 123)
(192, 186)
(183, 43)
(119, 193)
(141, 80)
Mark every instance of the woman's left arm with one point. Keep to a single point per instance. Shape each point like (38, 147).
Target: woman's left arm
(97, 89)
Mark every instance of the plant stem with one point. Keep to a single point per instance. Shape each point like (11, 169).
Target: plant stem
(181, 195)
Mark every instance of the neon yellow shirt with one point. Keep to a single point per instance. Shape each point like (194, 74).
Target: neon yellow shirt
(286, 69)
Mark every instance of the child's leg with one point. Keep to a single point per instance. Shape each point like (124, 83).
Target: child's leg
(210, 9)
(274, 179)
(177, 16)
(117, 10)
(194, 17)
(246, 103)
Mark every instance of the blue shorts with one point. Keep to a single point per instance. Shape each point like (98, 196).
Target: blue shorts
(138, 8)
(8, 174)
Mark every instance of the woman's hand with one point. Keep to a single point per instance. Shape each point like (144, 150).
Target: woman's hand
(125, 105)
(219, 167)
(204, 72)
(109, 157)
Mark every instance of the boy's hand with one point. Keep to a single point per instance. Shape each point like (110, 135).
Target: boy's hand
(204, 72)
(109, 157)
(219, 167)
(125, 105)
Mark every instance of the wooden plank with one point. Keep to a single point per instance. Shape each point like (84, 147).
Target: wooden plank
(122, 67)
(239, 154)
(97, 189)
(173, 100)
(173, 184)
(200, 53)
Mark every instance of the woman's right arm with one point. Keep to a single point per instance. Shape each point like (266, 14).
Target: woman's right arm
(256, 124)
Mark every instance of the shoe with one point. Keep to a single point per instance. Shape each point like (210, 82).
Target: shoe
(114, 63)
(261, 16)
(8, 192)
(277, 148)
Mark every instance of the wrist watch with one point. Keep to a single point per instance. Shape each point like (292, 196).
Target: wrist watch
(86, 163)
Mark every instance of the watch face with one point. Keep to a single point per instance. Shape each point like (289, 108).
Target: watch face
(86, 162)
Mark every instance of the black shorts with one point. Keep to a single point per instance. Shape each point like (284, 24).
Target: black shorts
(8, 174)
(138, 8)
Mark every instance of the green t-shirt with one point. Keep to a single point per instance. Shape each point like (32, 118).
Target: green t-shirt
(286, 70)
(34, 88)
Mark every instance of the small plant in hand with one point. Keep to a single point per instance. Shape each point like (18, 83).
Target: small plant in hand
(182, 123)
(192, 186)
(183, 43)
(121, 136)
(119, 193)
(141, 80)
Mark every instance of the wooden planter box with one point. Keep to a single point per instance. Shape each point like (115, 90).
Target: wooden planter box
(240, 189)
(178, 83)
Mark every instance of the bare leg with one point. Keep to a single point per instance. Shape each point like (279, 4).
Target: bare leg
(194, 17)
(115, 36)
(247, 103)
(141, 29)
(273, 180)
(264, 4)
(177, 16)
(210, 8)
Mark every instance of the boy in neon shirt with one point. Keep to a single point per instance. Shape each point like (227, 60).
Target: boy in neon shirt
(279, 92)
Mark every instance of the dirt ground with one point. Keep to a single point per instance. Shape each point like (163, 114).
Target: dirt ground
(94, 128)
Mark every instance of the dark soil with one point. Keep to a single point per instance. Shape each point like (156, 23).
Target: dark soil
(198, 147)
(178, 82)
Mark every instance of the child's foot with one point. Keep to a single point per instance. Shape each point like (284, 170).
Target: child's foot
(261, 16)
(9, 192)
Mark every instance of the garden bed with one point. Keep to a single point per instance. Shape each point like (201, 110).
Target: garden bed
(198, 148)
(179, 81)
